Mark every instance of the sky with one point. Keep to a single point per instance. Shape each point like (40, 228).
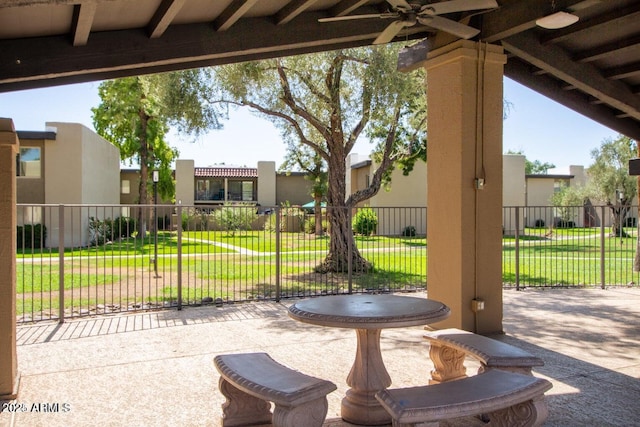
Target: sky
(537, 126)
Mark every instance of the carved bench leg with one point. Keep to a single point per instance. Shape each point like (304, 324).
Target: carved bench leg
(531, 413)
(311, 414)
(448, 364)
(241, 409)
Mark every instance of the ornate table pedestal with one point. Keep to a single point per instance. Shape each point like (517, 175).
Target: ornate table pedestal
(368, 315)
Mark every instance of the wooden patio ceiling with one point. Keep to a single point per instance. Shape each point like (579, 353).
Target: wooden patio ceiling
(592, 66)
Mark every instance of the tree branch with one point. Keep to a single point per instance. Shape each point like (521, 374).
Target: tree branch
(385, 164)
(294, 124)
(291, 103)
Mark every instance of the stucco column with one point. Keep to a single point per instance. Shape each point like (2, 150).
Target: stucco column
(464, 175)
(267, 183)
(8, 357)
(185, 182)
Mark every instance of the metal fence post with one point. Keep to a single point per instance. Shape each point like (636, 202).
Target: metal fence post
(602, 278)
(517, 248)
(278, 290)
(179, 247)
(61, 262)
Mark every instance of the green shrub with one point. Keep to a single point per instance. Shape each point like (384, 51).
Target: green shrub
(100, 231)
(539, 223)
(123, 226)
(194, 219)
(409, 231)
(561, 223)
(365, 221)
(630, 222)
(31, 236)
(310, 225)
(233, 218)
(270, 223)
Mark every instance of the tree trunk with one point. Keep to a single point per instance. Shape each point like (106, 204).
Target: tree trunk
(618, 212)
(144, 174)
(342, 243)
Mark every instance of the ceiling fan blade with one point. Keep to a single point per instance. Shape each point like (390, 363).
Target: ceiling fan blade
(444, 7)
(390, 32)
(449, 26)
(366, 16)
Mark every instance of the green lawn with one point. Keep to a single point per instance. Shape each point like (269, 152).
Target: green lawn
(243, 266)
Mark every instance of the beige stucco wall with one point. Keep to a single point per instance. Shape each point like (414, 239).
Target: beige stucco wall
(80, 168)
(539, 193)
(513, 192)
(133, 176)
(293, 188)
(8, 355)
(391, 201)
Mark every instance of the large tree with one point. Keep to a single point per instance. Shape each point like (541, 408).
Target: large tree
(135, 114)
(610, 181)
(328, 102)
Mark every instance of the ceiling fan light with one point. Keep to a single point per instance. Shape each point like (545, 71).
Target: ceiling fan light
(557, 20)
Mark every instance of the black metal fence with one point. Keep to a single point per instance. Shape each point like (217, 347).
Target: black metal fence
(568, 246)
(80, 260)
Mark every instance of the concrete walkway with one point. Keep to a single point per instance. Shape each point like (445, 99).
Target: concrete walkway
(155, 369)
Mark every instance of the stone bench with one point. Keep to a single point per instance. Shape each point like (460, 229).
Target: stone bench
(249, 381)
(506, 398)
(449, 347)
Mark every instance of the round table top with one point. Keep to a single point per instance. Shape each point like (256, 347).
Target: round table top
(369, 311)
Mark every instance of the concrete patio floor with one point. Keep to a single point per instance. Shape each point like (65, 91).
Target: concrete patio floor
(155, 369)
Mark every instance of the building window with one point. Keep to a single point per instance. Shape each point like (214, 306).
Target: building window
(28, 162)
(247, 190)
(125, 186)
(202, 189)
(241, 191)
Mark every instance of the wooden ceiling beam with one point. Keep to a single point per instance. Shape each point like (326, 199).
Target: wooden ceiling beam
(236, 10)
(36, 62)
(584, 77)
(82, 22)
(163, 17)
(622, 72)
(630, 13)
(292, 9)
(15, 3)
(575, 100)
(345, 7)
(607, 50)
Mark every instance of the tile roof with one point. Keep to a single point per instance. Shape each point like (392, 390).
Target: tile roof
(223, 172)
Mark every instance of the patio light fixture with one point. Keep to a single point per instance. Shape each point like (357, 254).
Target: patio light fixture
(557, 20)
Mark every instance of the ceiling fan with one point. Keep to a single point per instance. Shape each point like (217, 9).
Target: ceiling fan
(407, 13)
